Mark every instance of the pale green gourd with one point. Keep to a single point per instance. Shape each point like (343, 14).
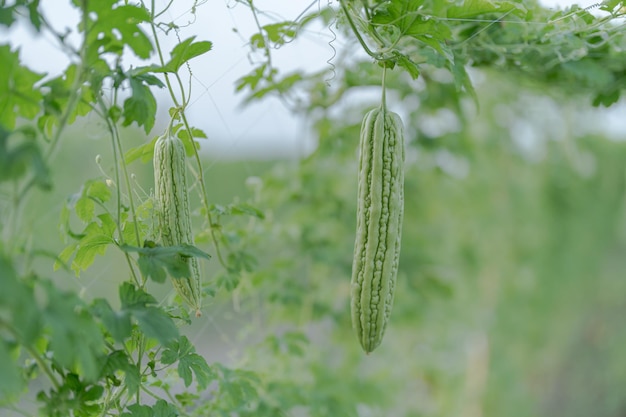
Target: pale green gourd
(379, 224)
(172, 208)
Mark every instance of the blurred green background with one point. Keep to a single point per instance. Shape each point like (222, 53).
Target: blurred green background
(510, 297)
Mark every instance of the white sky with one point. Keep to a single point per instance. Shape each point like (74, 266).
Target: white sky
(233, 130)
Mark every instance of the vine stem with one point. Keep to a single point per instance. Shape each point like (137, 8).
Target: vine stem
(260, 29)
(181, 110)
(131, 201)
(268, 53)
(356, 31)
(117, 149)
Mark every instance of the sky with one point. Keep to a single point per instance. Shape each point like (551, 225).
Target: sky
(234, 131)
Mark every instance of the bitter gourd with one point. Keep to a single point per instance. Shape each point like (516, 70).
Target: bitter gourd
(379, 224)
(172, 208)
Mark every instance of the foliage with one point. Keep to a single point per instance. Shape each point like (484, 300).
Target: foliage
(508, 298)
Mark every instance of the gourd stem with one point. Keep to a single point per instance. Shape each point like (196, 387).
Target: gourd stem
(384, 98)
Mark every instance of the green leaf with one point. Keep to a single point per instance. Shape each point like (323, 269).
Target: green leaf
(144, 152)
(248, 209)
(189, 142)
(131, 297)
(160, 409)
(85, 208)
(155, 323)
(118, 360)
(92, 393)
(22, 158)
(227, 280)
(18, 299)
(280, 33)
(281, 86)
(462, 80)
(94, 243)
(164, 409)
(56, 94)
(117, 323)
(141, 74)
(185, 51)
(11, 383)
(6, 15)
(155, 269)
(606, 99)
(65, 256)
(99, 191)
(154, 260)
(34, 15)
(473, 8)
(117, 27)
(19, 96)
(138, 410)
(19, 311)
(251, 80)
(75, 338)
(411, 67)
(141, 106)
(237, 386)
(107, 224)
(276, 33)
(152, 320)
(295, 343)
(189, 362)
(401, 14)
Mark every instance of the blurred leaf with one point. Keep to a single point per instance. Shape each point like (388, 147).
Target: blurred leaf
(94, 243)
(155, 261)
(98, 190)
(473, 8)
(411, 67)
(189, 362)
(228, 281)
(245, 208)
(606, 99)
(75, 340)
(18, 304)
(276, 33)
(19, 96)
(190, 142)
(118, 360)
(11, 383)
(185, 51)
(152, 320)
(85, 209)
(116, 27)
(116, 323)
(143, 152)
(140, 107)
(25, 157)
(160, 409)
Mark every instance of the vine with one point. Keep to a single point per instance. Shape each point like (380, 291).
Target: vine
(279, 288)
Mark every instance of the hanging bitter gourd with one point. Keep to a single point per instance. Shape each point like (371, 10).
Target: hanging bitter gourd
(379, 224)
(172, 208)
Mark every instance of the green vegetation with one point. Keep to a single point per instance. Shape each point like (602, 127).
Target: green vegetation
(509, 297)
